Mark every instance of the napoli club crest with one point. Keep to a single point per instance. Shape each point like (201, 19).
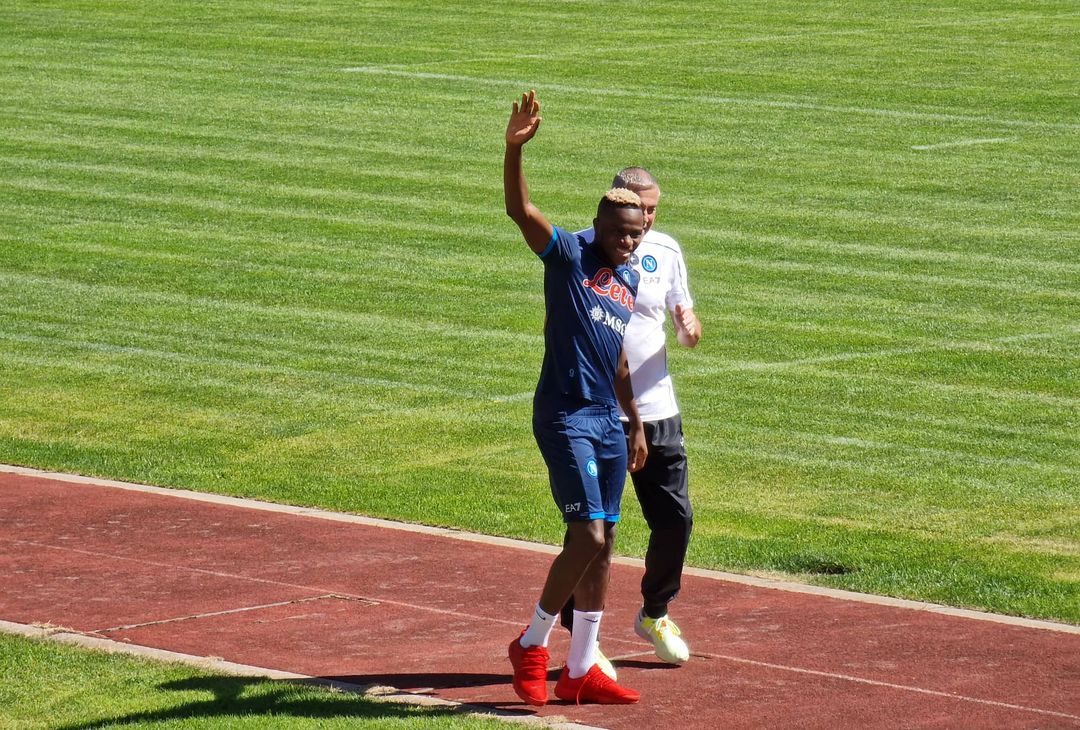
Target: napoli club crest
(591, 468)
(649, 264)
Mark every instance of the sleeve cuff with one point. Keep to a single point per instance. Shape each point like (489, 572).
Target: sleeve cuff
(551, 243)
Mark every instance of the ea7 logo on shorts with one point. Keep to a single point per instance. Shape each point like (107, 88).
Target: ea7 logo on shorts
(591, 468)
(572, 507)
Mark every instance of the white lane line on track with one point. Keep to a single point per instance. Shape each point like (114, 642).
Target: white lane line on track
(315, 590)
(891, 685)
(227, 612)
(852, 678)
(699, 99)
(963, 143)
(717, 575)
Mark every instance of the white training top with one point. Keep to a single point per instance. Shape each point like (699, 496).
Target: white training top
(663, 285)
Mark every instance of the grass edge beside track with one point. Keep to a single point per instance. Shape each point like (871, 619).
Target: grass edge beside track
(368, 695)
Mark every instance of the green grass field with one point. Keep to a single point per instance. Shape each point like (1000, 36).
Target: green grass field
(258, 248)
(47, 685)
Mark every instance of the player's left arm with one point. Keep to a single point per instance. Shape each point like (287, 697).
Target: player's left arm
(638, 447)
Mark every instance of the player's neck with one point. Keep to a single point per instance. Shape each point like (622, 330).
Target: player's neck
(603, 256)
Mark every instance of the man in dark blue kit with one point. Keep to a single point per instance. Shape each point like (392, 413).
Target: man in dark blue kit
(589, 291)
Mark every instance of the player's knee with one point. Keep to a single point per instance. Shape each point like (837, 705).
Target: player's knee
(610, 528)
(598, 539)
(587, 537)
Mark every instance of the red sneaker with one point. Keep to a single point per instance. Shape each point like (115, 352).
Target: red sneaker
(530, 672)
(595, 686)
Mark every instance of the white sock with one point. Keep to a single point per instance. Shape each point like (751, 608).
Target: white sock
(539, 630)
(583, 643)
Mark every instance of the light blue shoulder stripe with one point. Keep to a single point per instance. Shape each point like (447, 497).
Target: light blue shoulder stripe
(551, 243)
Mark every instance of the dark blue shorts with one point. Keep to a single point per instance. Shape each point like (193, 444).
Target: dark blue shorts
(584, 447)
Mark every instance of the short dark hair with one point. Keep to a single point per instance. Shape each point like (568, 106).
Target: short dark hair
(634, 178)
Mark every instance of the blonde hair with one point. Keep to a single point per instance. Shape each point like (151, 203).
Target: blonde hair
(618, 198)
(622, 196)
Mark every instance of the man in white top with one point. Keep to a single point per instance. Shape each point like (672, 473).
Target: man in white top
(662, 484)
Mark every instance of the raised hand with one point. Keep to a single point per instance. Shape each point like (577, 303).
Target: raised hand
(524, 120)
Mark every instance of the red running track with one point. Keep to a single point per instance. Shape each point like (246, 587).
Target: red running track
(428, 612)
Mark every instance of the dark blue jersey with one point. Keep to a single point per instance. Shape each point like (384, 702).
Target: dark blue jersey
(588, 303)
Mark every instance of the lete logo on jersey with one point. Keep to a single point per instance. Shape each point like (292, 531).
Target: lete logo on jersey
(605, 285)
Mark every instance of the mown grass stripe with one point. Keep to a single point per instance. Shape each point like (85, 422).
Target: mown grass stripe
(203, 203)
(795, 212)
(838, 249)
(241, 367)
(335, 141)
(365, 320)
(861, 444)
(841, 470)
(916, 425)
(346, 352)
(222, 182)
(118, 117)
(854, 309)
(759, 451)
(392, 411)
(930, 346)
(971, 260)
(962, 143)
(652, 97)
(1009, 394)
(191, 202)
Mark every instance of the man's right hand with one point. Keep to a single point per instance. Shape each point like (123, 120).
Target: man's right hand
(524, 120)
(687, 326)
(637, 450)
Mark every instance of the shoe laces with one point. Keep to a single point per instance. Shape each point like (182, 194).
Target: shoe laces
(533, 661)
(664, 624)
(597, 679)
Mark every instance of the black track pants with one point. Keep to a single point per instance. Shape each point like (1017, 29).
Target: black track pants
(662, 488)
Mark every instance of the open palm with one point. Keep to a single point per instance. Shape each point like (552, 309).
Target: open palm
(524, 120)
